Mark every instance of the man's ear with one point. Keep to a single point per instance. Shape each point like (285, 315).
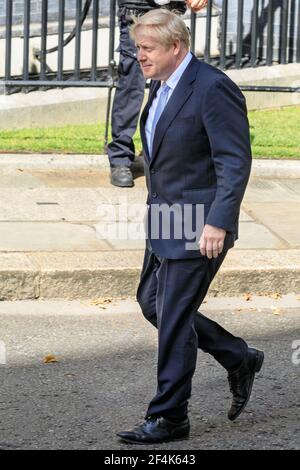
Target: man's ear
(176, 46)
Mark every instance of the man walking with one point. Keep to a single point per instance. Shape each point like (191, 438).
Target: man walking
(195, 135)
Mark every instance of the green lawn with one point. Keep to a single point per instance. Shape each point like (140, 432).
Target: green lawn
(275, 133)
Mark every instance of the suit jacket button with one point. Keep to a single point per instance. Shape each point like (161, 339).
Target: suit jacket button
(154, 194)
(152, 170)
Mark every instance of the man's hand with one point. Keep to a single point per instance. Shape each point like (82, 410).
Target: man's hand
(196, 5)
(212, 241)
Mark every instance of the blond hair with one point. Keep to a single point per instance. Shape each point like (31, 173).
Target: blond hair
(166, 26)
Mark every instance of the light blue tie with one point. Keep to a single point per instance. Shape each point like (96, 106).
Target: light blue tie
(162, 100)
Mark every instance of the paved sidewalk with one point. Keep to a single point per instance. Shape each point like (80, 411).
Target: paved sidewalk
(49, 248)
(106, 371)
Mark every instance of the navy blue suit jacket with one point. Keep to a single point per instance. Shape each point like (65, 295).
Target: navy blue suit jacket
(201, 155)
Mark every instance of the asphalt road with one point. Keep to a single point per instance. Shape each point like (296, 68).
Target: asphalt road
(106, 370)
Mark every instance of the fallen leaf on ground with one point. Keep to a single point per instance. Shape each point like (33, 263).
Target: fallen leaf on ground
(275, 296)
(49, 359)
(101, 301)
(246, 309)
(247, 297)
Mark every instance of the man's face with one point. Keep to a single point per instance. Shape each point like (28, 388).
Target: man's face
(156, 60)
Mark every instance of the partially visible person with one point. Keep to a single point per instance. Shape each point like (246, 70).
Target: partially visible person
(129, 93)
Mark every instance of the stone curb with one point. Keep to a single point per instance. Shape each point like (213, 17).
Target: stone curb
(115, 274)
(52, 161)
(264, 168)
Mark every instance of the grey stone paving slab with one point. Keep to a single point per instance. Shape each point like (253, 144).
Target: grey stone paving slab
(257, 236)
(270, 191)
(290, 184)
(126, 244)
(244, 217)
(263, 259)
(30, 236)
(282, 218)
(86, 260)
(18, 178)
(68, 179)
(116, 195)
(51, 161)
(41, 204)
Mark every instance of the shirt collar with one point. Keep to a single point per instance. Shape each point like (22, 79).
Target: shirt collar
(176, 75)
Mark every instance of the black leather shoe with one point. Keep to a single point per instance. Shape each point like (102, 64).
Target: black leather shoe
(121, 176)
(155, 430)
(241, 381)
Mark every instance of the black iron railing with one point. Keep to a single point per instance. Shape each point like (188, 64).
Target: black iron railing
(236, 49)
(94, 76)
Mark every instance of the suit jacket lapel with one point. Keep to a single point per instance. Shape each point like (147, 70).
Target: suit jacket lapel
(152, 93)
(179, 96)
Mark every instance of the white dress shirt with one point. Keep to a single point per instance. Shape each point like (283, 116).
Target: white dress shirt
(171, 82)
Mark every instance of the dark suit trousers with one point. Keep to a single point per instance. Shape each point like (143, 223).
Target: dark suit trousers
(170, 293)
